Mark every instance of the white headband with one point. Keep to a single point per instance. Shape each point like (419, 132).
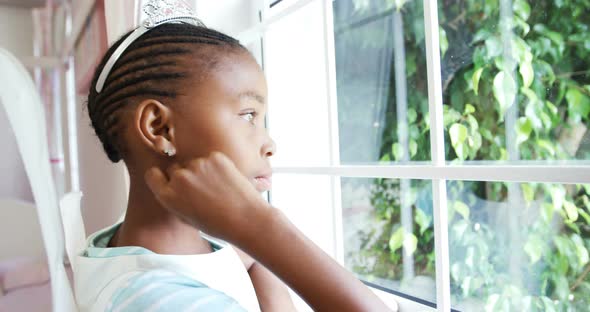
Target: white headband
(159, 12)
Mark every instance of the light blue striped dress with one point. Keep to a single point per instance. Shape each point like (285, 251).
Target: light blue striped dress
(156, 289)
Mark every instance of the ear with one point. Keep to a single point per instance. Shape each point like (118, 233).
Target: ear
(154, 125)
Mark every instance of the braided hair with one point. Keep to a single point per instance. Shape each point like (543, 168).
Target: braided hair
(153, 66)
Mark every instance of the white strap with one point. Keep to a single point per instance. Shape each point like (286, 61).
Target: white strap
(74, 231)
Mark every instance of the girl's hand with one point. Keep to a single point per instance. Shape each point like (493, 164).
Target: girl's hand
(209, 193)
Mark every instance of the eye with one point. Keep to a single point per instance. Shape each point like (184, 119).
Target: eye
(249, 116)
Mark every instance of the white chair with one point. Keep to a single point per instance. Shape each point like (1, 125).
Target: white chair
(20, 99)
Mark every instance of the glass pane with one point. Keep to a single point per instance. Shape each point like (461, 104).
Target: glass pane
(295, 66)
(388, 234)
(307, 202)
(516, 79)
(381, 81)
(519, 247)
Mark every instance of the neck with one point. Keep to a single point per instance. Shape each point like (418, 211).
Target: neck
(147, 224)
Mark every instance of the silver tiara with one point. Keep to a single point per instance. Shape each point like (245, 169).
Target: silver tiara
(159, 12)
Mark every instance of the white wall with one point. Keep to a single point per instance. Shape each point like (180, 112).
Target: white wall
(16, 36)
(16, 30)
(101, 182)
(228, 16)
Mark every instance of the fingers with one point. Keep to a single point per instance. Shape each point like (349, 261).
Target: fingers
(222, 162)
(173, 168)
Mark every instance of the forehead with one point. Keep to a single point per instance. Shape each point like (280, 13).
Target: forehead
(235, 76)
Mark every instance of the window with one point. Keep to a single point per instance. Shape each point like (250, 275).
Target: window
(439, 150)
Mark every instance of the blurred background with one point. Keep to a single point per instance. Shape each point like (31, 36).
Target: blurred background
(351, 111)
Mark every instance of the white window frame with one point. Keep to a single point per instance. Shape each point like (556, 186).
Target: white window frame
(438, 170)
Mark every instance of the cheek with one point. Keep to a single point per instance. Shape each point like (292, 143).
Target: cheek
(198, 137)
(240, 147)
(230, 136)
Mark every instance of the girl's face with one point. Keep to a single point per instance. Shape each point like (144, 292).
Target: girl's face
(225, 112)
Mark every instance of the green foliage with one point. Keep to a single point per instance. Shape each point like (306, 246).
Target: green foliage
(548, 85)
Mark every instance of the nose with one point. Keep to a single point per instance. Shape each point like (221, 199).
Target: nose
(269, 148)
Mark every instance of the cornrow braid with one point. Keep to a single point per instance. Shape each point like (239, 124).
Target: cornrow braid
(152, 66)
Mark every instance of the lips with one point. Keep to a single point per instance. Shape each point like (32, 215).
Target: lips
(263, 183)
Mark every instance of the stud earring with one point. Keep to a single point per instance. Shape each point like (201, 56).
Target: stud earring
(170, 152)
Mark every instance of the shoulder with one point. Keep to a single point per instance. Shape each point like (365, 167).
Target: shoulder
(162, 290)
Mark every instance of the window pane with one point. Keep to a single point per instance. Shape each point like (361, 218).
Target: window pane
(388, 234)
(519, 247)
(295, 66)
(381, 81)
(516, 79)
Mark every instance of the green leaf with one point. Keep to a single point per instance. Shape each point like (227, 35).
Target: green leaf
(458, 134)
(412, 115)
(528, 192)
(493, 47)
(573, 226)
(473, 124)
(571, 210)
(413, 148)
(469, 109)
(450, 115)
(581, 251)
(534, 248)
(556, 37)
(465, 285)
(423, 220)
(563, 244)
(544, 70)
(578, 104)
(527, 73)
(461, 209)
(522, 8)
(397, 239)
(477, 140)
(481, 34)
(530, 94)
(410, 243)
(444, 42)
(547, 146)
(547, 212)
(475, 78)
(520, 23)
(504, 92)
(397, 150)
(524, 127)
(561, 287)
(385, 158)
(584, 215)
(521, 51)
(557, 196)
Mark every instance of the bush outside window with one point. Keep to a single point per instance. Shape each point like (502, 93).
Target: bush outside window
(516, 89)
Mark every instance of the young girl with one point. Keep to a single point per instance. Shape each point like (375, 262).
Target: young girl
(184, 106)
